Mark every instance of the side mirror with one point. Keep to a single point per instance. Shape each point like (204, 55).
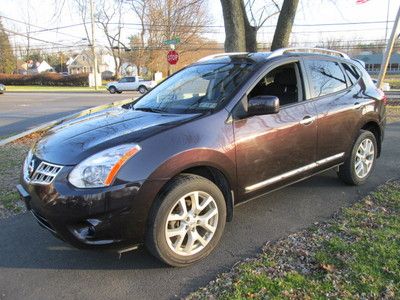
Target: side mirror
(263, 105)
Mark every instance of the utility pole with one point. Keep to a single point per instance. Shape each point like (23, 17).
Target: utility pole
(389, 49)
(93, 46)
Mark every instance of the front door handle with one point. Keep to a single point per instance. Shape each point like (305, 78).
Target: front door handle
(307, 120)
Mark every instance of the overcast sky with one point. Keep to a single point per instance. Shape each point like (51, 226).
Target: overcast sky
(41, 14)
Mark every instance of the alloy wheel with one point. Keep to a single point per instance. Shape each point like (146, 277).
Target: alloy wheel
(191, 223)
(365, 156)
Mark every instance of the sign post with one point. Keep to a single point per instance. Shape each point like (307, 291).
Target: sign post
(172, 55)
(389, 49)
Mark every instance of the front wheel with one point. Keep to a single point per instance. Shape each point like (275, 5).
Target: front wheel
(187, 221)
(112, 89)
(361, 162)
(142, 89)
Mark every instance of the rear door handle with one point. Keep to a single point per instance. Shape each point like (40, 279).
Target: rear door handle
(307, 120)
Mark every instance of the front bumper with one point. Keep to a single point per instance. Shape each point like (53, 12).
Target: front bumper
(112, 217)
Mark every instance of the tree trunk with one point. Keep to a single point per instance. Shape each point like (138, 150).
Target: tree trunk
(235, 31)
(285, 24)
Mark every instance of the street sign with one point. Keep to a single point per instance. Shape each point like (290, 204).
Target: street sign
(172, 57)
(173, 41)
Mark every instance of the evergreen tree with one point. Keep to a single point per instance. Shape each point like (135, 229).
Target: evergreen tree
(7, 58)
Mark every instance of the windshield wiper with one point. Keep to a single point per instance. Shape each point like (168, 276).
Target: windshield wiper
(150, 109)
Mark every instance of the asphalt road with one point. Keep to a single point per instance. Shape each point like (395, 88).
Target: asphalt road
(22, 111)
(35, 265)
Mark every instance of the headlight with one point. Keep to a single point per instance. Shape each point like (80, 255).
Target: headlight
(99, 170)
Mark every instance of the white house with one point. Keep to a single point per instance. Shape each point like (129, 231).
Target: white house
(83, 63)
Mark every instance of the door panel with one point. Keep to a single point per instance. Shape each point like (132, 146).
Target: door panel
(337, 106)
(337, 118)
(271, 145)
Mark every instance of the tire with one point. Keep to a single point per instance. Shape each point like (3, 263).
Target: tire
(112, 90)
(119, 92)
(356, 170)
(181, 191)
(142, 89)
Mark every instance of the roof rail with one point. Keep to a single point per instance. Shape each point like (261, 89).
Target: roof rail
(281, 51)
(220, 54)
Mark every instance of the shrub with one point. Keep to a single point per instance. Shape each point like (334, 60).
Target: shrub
(48, 79)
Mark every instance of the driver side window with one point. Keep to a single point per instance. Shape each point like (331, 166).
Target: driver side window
(282, 82)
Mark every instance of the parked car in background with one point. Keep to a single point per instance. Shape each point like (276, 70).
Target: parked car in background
(168, 169)
(131, 83)
(2, 88)
(385, 86)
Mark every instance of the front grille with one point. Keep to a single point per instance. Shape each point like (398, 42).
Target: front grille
(44, 174)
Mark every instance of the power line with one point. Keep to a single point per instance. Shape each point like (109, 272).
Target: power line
(33, 38)
(43, 29)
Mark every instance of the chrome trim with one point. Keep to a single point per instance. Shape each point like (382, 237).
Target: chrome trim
(44, 174)
(293, 172)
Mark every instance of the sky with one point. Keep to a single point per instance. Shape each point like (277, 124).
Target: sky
(42, 14)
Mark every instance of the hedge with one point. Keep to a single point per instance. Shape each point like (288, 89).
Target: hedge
(48, 79)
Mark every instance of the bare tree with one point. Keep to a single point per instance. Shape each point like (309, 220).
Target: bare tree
(163, 20)
(139, 7)
(255, 21)
(106, 15)
(242, 23)
(285, 24)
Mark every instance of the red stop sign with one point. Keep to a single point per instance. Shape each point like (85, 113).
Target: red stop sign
(172, 57)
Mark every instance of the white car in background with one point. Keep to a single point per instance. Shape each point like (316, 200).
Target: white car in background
(2, 88)
(385, 86)
(130, 83)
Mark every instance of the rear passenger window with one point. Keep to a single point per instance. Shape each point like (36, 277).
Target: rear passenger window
(326, 77)
(352, 73)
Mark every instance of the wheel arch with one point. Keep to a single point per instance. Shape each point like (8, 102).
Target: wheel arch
(220, 180)
(376, 130)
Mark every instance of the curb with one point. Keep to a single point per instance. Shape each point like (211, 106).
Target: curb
(66, 118)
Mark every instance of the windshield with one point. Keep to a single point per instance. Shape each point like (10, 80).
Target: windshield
(198, 88)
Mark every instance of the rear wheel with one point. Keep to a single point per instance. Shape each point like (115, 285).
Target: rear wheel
(112, 89)
(361, 162)
(142, 89)
(187, 221)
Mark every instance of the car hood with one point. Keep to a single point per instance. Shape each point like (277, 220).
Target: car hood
(72, 141)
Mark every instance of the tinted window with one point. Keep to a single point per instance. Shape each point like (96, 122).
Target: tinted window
(326, 77)
(131, 79)
(351, 72)
(280, 82)
(197, 88)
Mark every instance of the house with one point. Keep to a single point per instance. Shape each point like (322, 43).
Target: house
(83, 63)
(34, 67)
(373, 62)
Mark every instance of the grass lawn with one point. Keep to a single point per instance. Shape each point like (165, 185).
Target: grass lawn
(356, 255)
(11, 159)
(393, 80)
(39, 88)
